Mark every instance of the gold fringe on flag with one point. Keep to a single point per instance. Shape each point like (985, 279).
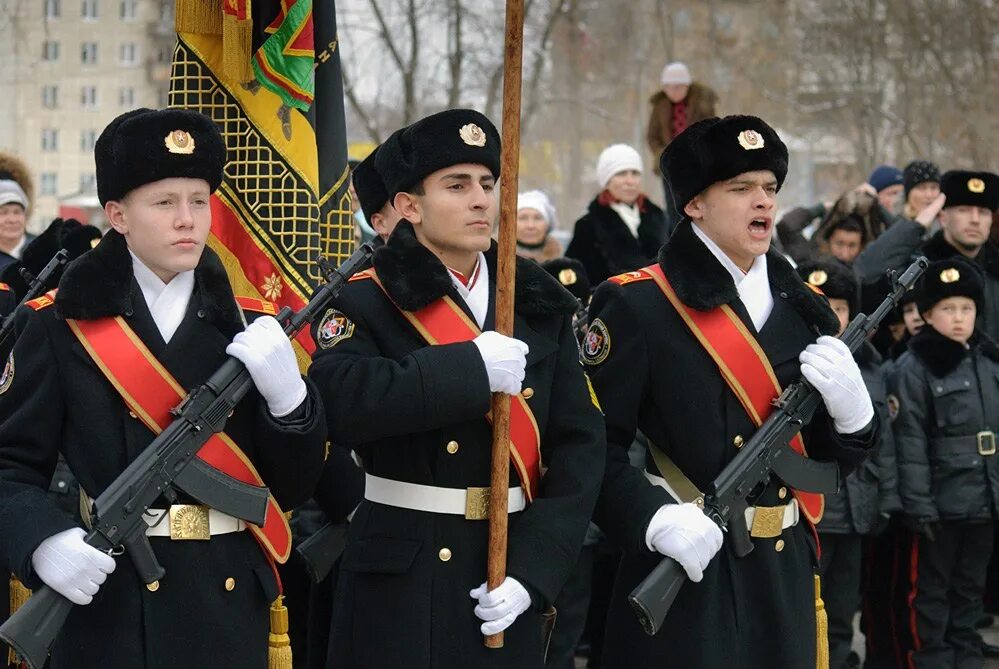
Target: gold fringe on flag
(279, 643)
(821, 628)
(199, 16)
(237, 47)
(18, 596)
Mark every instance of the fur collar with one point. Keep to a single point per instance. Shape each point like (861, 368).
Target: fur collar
(702, 283)
(414, 277)
(937, 248)
(941, 355)
(100, 283)
(614, 234)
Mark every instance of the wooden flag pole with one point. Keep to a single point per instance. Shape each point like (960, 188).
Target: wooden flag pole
(505, 270)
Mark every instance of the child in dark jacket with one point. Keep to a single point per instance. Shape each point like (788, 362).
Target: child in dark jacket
(948, 397)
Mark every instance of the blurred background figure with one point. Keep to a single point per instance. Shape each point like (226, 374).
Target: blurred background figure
(535, 220)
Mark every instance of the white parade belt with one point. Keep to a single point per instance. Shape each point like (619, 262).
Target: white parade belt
(472, 503)
(183, 521)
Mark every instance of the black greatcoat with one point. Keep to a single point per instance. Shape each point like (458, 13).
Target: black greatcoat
(60, 402)
(398, 402)
(748, 613)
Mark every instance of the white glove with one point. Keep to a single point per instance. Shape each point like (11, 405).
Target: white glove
(71, 567)
(684, 533)
(266, 351)
(505, 359)
(500, 607)
(829, 366)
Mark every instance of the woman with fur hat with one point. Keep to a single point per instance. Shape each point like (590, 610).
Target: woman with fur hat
(16, 194)
(535, 221)
(622, 230)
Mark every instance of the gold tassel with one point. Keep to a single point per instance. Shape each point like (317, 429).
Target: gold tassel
(821, 628)
(18, 596)
(279, 643)
(199, 16)
(237, 47)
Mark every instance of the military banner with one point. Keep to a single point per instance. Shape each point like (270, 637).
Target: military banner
(268, 73)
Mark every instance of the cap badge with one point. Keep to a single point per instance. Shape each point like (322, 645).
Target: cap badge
(750, 140)
(567, 277)
(472, 135)
(179, 141)
(976, 185)
(950, 275)
(818, 277)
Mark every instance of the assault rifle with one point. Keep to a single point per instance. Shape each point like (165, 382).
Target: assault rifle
(170, 462)
(765, 453)
(36, 286)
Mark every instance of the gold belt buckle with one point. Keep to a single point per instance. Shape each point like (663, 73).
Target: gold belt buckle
(476, 503)
(189, 522)
(768, 521)
(986, 443)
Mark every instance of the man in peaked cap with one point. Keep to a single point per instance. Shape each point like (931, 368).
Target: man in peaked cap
(407, 362)
(152, 281)
(717, 281)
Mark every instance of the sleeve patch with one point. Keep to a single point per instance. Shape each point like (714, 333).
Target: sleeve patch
(893, 406)
(333, 329)
(7, 377)
(597, 343)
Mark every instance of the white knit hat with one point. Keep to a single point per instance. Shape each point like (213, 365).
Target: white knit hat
(617, 158)
(675, 73)
(538, 201)
(11, 192)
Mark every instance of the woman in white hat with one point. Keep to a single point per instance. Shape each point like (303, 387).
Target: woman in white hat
(535, 220)
(622, 230)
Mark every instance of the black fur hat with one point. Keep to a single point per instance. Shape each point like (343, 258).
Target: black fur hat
(834, 279)
(447, 138)
(369, 186)
(952, 277)
(572, 274)
(67, 234)
(146, 145)
(717, 149)
(976, 189)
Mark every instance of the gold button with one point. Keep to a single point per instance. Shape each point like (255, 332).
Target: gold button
(230, 584)
(444, 554)
(153, 587)
(782, 493)
(738, 441)
(131, 414)
(779, 546)
(527, 393)
(452, 447)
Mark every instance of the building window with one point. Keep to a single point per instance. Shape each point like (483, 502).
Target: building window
(50, 50)
(127, 53)
(53, 9)
(126, 96)
(48, 183)
(164, 56)
(50, 139)
(88, 183)
(88, 97)
(88, 53)
(50, 97)
(128, 10)
(88, 140)
(89, 11)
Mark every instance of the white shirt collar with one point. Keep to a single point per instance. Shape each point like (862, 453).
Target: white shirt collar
(167, 302)
(753, 286)
(16, 251)
(477, 298)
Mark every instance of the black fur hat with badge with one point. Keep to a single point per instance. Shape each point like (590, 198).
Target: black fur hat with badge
(451, 137)
(146, 145)
(369, 186)
(974, 189)
(572, 275)
(952, 277)
(834, 279)
(717, 149)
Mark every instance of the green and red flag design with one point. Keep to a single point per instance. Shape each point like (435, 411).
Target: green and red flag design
(283, 203)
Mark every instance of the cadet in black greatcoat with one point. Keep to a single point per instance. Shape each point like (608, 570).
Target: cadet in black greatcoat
(155, 172)
(416, 415)
(948, 406)
(651, 374)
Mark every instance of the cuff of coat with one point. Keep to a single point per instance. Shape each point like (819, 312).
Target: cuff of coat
(302, 418)
(28, 519)
(455, 384)
(541, 565)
